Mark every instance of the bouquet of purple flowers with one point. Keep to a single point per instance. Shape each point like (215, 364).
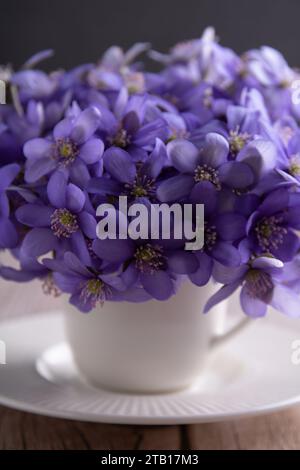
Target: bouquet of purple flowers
(210, 128)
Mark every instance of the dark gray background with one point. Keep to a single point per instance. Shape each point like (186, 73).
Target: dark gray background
(80, 30)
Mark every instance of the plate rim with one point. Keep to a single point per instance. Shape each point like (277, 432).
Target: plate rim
(133, 419)
(143, 420)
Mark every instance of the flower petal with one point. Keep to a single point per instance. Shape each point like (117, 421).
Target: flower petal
(252, 306)
(75, 265)
(75, 198)
(63, 129)
(183, 155)
(202, 275)
(116, 251)
(88, 224)
(130, 275)
(147, 134)
(136, 295)
(38, 241)
(91, 151)
(175, 188)
(226, 254)
(56, 189)
(8, 234)
(205, 193)
(288, 248)
(221, 295)
(104, 186)
(119, 165)
(231, 226)
(8, 174)
(182, 262)
(80, 252)
(85, 125)
(4, 205)
(79, 173)
(34, 215)
(260, 155)
(16, 275)
(35, 169)
(228, 274)
(215, 150)
(67, 283)
(37, 148)
(266, 262)
(158, 284)
(236, 175)
(38, 57)
(156, 161)
(274, 202)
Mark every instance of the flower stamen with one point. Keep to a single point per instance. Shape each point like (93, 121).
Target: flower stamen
(95, 291)
(210, 236)
(258, 284)
(49, 287)
(120, 139)
(63, 223)
(149, 258)
(66, 151)
(143, 186)
(270, 233)
(207, 173)
(237, 141)
(294, 168)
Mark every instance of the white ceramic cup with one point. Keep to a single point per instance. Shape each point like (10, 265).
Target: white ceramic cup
(149, 347)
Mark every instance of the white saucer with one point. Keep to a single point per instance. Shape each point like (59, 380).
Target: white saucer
(250, 374)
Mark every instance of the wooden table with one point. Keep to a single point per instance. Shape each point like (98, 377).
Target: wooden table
(20, 430)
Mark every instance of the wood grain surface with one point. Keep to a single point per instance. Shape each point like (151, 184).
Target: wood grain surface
(19, 430)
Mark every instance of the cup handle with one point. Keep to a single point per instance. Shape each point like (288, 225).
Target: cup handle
(219, 339)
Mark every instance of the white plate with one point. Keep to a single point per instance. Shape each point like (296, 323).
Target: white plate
(250, 374)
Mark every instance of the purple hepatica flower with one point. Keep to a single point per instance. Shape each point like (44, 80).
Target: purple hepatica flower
(268, 70)
(72, 147)
(87, 287)
(291, 169)
(64, 224)
(8, 232)
(271, 227)
(262, 285)
(250, 135)
(285, 128)
(15, 129)
(244, 126)
(114, 71)
(145, 265)
(133, 180)
(249, 119)
(208, 165)
(181, 91)
(211, 62)
(220, 234)
(28, 125)
(127, 127)
(34, 84)
(268, 67)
